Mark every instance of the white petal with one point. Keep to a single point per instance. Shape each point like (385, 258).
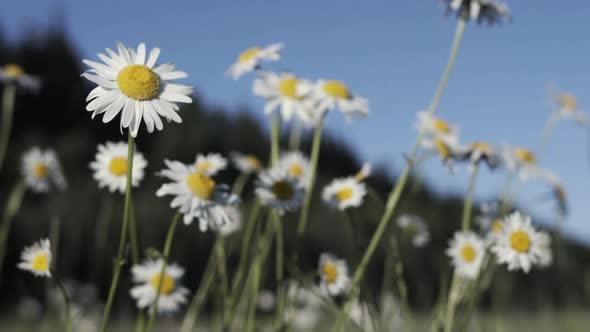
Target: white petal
(154, 53)
(140, 57)
(173, 75)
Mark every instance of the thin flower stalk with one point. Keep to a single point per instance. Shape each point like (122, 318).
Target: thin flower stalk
(468, 205)
(223, 287)
(12, 206)
(279, 270)
(66, 303)
(295, 135)
(8, 98)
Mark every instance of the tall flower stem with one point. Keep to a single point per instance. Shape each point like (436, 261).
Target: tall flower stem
(451, 305)
(8, 97)
(279, 271)
(239, 184)
(295, 135)
(401, 182)
(12, 206)
(140, 320)
(223, 287)
(398, 268)
(315, 154)
(468, 205)
(118, 264)
(275, 134)
(66, 303)
(165, 255)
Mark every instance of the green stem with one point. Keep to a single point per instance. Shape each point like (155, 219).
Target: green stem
(140, 320)
(67, 303)
(8, 98)
(118, 264)
(54, 232)
(468, 205)
(295, 135)
(12, 206)
(315, 154)
(279, 271)
(224, 288)
(103, 221)
(238, 186)
(165, 255)
(451, 305)
(274, 138)
(251, 322)
(399, 273)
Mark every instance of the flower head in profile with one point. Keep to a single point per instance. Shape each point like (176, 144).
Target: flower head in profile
(250, 59)
(42, 171)
(466, 251)
(481, 152)
(326, 95)
(344, 193)
(149, 279)
(334, 275)
(447, 150)
(416, 228)
(519, 245)
(566, 105)
(210, 164)
(436, 128)
(296, 165)
(12, 73)
(521, 161)
(279, 190)
(37, 259)
(245, 163)
(196, 195)
(110, 166)
(491, 11)
(129, 82)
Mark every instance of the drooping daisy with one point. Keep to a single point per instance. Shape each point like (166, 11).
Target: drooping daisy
(235, 221)
(42, 171)
(250, 59)
(416, 228)
(110, 166)
(481, 152)
(37, 259)
(197, 195)
(210, 164)
(522, 161)
(245, 163)
(331, 95)
(344, 193)
(466, 251)
(491, 11)
(129, 82)
(436, 128)
(12, 73)
(148, 277)
(277, 189)
(520, 246)
(334, 275)
(567, 108)
(296, 165)
(448, 150)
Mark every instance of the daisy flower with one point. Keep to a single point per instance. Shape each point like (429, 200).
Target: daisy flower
(334, 275)
(415, 227)
(14, 74)
(466, 251)
(557, 190)
(491, 11)
(37, 259)
(296, 165)
(110, 166)
(250, 59)
(330, 95)
(344, 193)
(567, 108)
(148, 277)
(277, 189)
(197, 195)
(210, 164)
(129, 82)
(234, 223)
(448, 150)
(281, 91)
(481, 152)
(522, 161)
(245, 163)
(520, 246)
(42, 171)
(436, 128)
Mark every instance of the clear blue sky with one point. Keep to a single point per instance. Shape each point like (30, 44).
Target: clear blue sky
(391, 52)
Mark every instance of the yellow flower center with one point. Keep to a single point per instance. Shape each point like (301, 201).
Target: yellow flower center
(525, 156)
(295, 170)
(138, 82)
(118, 166)
(249, 54)
(283, 190)
(200, 185)
(168, 284)
(253, 161)
(481, 146)
(520, 241)
(13, 70)
(442, 148)
(469, 253)
(567, 101)
(330, 272)
(343, 194)
(204, 166)
(40, 263)
(336, 89)
(288, 87)
(441, 126)
(497, 226)
(40, 171)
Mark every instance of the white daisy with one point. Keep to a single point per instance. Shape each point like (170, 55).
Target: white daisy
(567, 108)
(245, 163)
(332, 95)
(197, 195)
(110, 166)
(520, 246)
(334, 275)
(130, 83)
(250, 59)
(466, 251)
(416, 228)
(481, 152)
(522, 161)
(148, 277)
(296, 165)
(37, 259)
(344, 193)
(42, 171)
(14, 74)
(448, 150)
(277, 189)
(234, 223)
(210, 164)
(491, 11)
(436, 128)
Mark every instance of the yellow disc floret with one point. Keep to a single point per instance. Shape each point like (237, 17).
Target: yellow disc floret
(497, 226)
(249, 54)
(525, 156)
(40, 263)
(288, 87)
(40, 171)
(118, 166)
(469, 253)
(442, 148)
(13, 70)
(283, 190)
(139, 82)
(344, 194)
(200, 185)
(567, 101)
(441, 126)
(295, 170)
(330, 272)
(168, 284)
(520, 241)
(204, 166)
(253, 161)
(336, 89)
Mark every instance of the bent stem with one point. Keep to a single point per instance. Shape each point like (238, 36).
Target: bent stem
(8, 97)
(118, 264)
(12, 206)
(66, 303)
(468, 205)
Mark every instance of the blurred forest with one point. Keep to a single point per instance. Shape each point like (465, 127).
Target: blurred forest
(56, 118)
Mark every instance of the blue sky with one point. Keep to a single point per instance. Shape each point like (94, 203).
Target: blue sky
(391, 52)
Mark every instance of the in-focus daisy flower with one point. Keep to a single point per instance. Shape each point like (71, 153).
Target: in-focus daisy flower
(277, 189)
(266, 300)
(416, 228)
(197, 195)
(12, 73)
(296, 165)
(344, 193)
(234, 223)
(520, 246)
(491, 11)
(567, 108)
(466, 251)
(246, 163)
(148, 277)
(447, 150)
(282, 92)
(481, 152)
(110, 166)
(129, 82)
(331, 95)
(436, 128)
(37, 259)
(42, 171)
(250, 59)
(334, 275)
(364, 173)
(522, 161)
(210, 164)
